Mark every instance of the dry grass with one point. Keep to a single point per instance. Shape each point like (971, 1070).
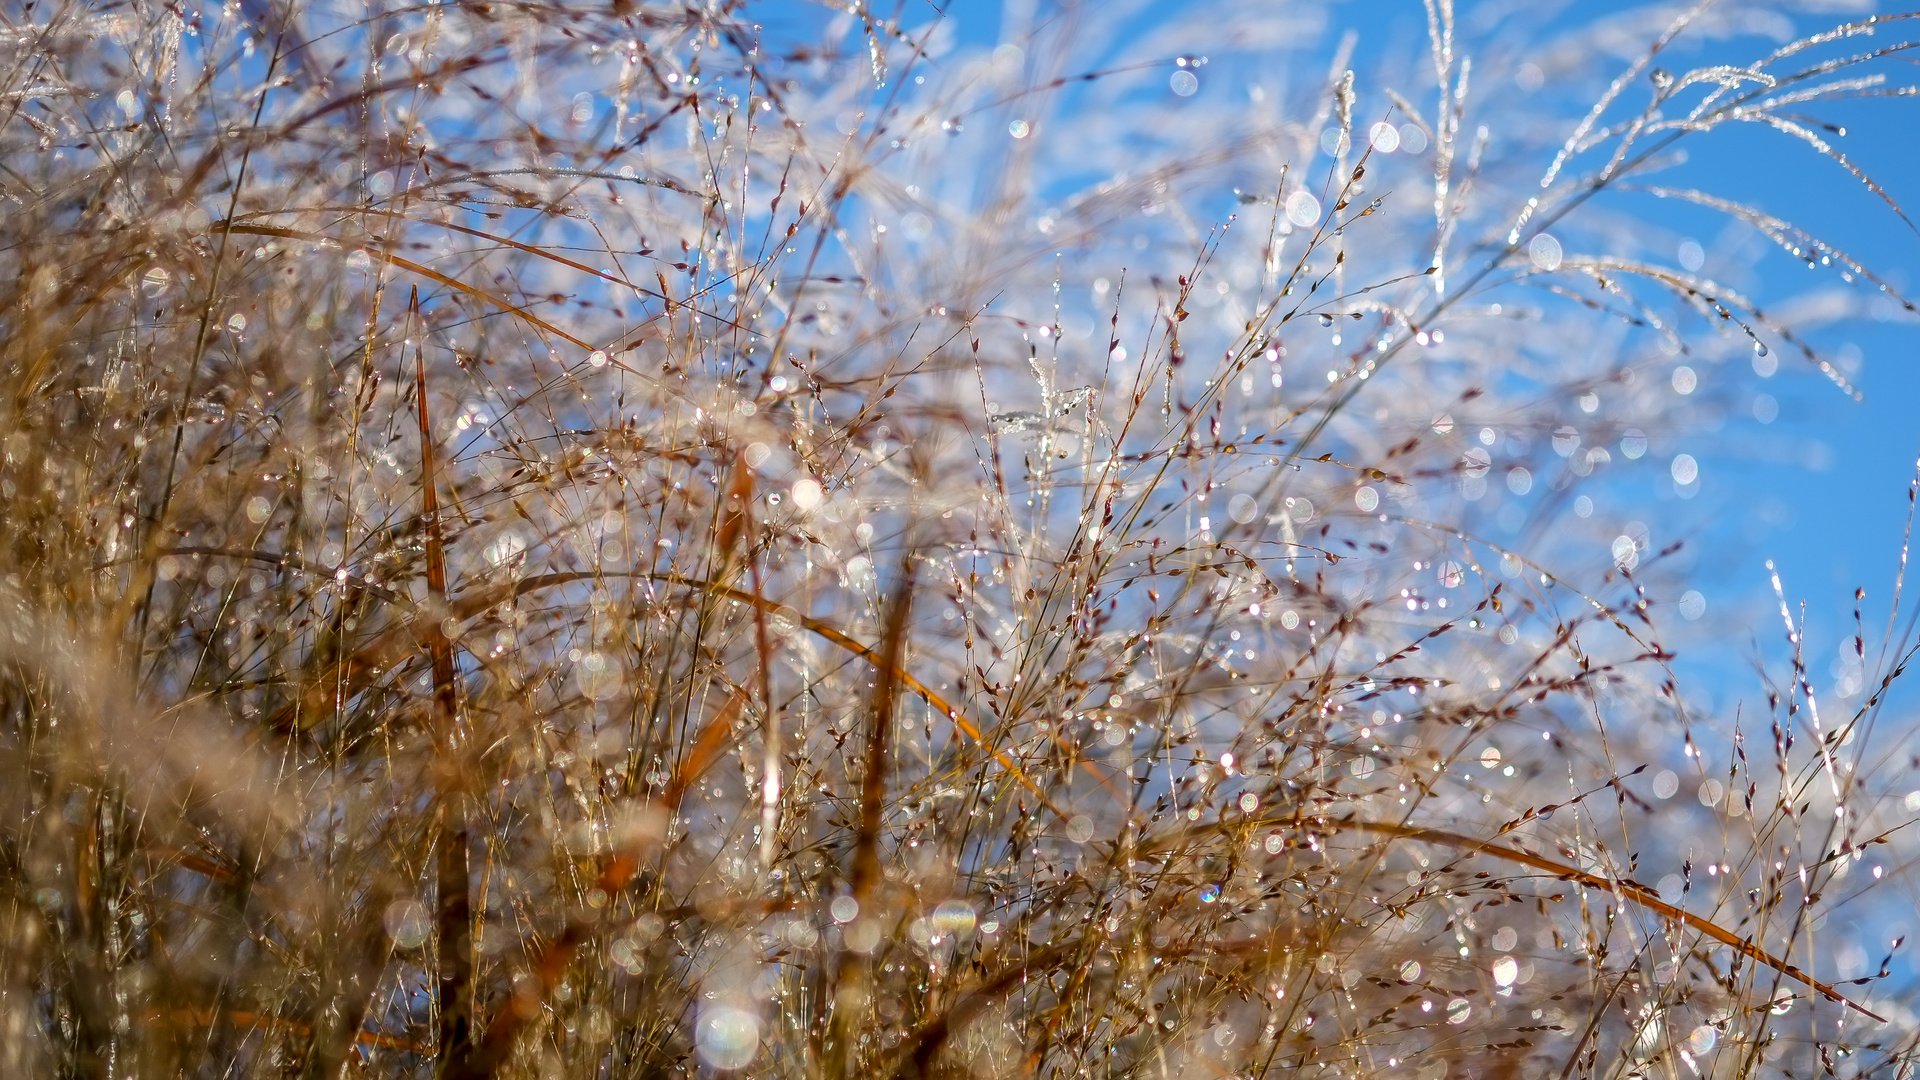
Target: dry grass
(569, 540)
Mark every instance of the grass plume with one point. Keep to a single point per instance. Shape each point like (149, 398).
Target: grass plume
(647, 539)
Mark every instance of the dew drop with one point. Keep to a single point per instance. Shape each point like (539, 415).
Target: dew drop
(1692, 605)
(1685, 469)
(727, 1037)
(953, 918)
(1545, 252)
(407, 924)
(1303, 208)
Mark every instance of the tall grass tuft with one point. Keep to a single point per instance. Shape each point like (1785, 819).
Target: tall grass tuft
(631, 539)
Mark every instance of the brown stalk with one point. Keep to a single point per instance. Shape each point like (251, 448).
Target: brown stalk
(398, 643)
(736, 540)
(452, 872)
(550, 966)
(1629, 890)
(853, 989)
(919, 1050)
(202, 1017)
(534, 250)
(376, 250)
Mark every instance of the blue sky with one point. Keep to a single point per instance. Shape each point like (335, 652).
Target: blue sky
(1819, 486)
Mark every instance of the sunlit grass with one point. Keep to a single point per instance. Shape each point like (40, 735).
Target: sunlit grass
(570, 542)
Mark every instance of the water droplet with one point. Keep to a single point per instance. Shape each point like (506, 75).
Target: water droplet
(1303, 208)
(407, 924)
(597, 675)
(1545, 252)
(1665, 784)
(953, 918)
(1692, 605)
(1685, 469)
(728, 1036)
(1626, 553)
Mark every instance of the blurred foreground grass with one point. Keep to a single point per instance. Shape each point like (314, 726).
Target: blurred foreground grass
(555, 540)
